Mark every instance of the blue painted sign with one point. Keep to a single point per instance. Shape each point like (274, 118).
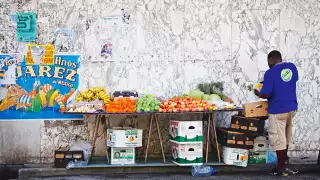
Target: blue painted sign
(41, 91)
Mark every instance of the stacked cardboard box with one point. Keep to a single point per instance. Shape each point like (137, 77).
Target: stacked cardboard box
(186, 142)
(123, 142)
(258, 155)
(240, 137)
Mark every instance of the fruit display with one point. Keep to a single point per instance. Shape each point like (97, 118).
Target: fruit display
(122, 105)
(148, 103)
(92, 94)
(206, 97)
(212, 97)
(121, 94)
(86, 107)
(185, 104)
(82, 109)
(211, 91)
(258, 86)
(226, 105)
(196, 94)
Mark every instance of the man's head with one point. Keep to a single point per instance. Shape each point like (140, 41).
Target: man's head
(274, 57)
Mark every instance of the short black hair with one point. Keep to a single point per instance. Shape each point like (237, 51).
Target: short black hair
(275, 55)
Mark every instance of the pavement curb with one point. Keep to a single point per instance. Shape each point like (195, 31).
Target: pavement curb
(26, 173)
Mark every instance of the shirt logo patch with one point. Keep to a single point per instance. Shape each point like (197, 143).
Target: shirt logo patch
(286, 75)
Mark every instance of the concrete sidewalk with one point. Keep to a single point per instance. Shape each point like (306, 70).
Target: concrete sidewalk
(26, 173)
(307, 165)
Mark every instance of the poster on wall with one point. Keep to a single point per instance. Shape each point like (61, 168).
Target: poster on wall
(106, 48)
(116, 20)
(63, 40)
(41, 91)
(26, 26)
(7, 69)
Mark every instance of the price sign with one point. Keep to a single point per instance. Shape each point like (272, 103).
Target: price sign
(40, 54)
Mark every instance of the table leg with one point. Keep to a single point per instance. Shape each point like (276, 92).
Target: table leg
(94, 135)
(318, 162)
(105, 135)
(150, 129)
(160, 138)
(94, 129)
(207, 140)
(215, 135)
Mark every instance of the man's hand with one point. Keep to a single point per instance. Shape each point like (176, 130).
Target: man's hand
(258, 93)
(227, 99)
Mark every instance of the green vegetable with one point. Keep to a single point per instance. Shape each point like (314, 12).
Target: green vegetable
(214, 97)
(196, 93)
(212, 88)
(206, 97)
(147, 103)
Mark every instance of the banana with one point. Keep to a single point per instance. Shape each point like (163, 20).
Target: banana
(94, 93)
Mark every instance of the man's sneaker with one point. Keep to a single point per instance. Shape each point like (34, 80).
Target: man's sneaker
(274, 172)
(284, 174)
(290, 171)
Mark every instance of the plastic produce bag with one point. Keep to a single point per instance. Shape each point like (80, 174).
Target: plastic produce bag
(272, 158)
(81, 145)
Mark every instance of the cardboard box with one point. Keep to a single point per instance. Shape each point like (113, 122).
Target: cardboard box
(187, 154)
(63, 156)
(247, 125)
(124, 137)
(256, 109)
(235, 156)
(257, 157)
(186, 131)
(122, 156)
(260, 144)
(229, 138)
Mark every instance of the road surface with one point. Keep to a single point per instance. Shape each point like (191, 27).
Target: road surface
(247, 176)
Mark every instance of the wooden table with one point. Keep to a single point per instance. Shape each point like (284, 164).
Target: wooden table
(101, 120)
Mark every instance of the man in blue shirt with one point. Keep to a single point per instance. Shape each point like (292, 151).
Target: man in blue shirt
(279, 87)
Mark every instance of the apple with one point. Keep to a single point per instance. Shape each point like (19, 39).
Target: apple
(187, 109)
